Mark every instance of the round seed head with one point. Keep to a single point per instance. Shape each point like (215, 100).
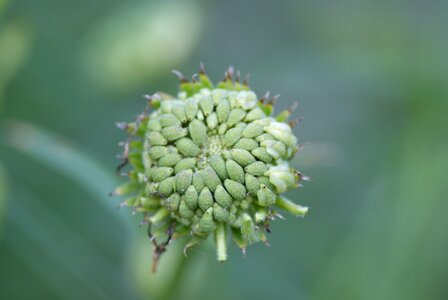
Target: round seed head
(209, 160)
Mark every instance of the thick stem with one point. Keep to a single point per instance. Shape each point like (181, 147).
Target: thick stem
(291, 207)
(221, 242)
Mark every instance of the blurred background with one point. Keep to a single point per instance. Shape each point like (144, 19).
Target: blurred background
(371, 79)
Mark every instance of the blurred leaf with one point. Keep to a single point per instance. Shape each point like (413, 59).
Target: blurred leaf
(3, 194)
(137, 42)
(60, 155)
(15, 45)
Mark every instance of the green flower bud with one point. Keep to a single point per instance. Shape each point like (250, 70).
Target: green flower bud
(257, 168)
(185, 211)
(166, 187)
(206, 224)
(265, 196)
(235, 116)
(205, 199)
(183, 180)
(172, 202)
(159, 174)
(235, 189)
(198, 132)
(191, 197)
(155, 138)
(179, 111)
(166, 120)
(252, 130)
(246, 144)
(220, 214)
(222, 197)
(185, 164)
(169, 160)
(187, 147)
(157, 152)
(235, 171)
(223, 110)
(208, 160)
(232, 136)
(243, 157)
(172, 133)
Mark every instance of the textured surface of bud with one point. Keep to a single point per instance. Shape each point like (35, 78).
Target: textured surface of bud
(214, 159)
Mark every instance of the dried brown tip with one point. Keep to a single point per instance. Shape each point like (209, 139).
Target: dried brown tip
(122, 125)
(294, 122)
(180, 76)
(201, 68)
(246, 79)
(229, 73)
(266, 96)
(293, 106)
(274, 100)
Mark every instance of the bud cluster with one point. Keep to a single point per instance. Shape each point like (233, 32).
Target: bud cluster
(211, 160)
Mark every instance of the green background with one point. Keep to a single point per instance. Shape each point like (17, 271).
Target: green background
(371, 79)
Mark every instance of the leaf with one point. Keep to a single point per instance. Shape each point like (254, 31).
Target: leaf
(67, 159)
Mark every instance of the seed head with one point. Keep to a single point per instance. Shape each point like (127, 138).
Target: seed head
(214, 159)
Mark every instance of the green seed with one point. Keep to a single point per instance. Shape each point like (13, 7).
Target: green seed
(187, 147)
(222, 197)
(198, 132)
(198, 182)
(172, 202)
(169, 160)
(243, 157)
(235, 171)
(232, 136)
(219, 166)
(223, 110)
(246, 144)
(257, 168)
(166, 186)
(157, 152)
(255, 114)
(206, 104)
(252, 184)
(235, 189)
(265, 137)
(155, 138)
(210, 178)
(262, 154)
(179, 111)
(206, 224)
(159, 174)
(212, 121)
(220, 214)
(153, 125)
(185, 164)
(191, 198)
(205, 199)
(184, 211)
(191, 109)
(166, 120)
(252, 130)
(235, 116)
(183, 180)
(265, 196)
(172, 133)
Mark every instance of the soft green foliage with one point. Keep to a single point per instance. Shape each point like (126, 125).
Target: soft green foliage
(370, 79)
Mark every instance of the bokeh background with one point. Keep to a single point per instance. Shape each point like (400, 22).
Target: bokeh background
(371, 79)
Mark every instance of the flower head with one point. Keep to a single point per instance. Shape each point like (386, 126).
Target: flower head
(212, 160)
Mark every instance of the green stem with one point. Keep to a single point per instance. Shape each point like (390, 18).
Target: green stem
(291, 207)
(221, 242)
